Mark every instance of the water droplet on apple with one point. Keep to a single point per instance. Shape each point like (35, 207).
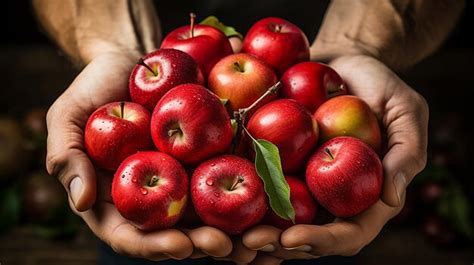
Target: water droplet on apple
(134, 180)
(213, 165)
(209, 182)
(217, 194)
(144, 191)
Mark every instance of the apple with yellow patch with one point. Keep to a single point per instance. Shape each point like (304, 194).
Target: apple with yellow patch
(150, 190)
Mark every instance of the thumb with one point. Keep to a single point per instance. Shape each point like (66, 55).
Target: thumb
(67, 161)
(407, 143)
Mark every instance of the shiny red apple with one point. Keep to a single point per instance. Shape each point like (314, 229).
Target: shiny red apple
(345, 176)
(191, 124)
(348, 116)
(311, 84)
(302, 201)
(206, 44)
(116, 131)
(290, 127)
(228, 194)
(150, 190)
(277, 42)
(242, 79)
(160, 71)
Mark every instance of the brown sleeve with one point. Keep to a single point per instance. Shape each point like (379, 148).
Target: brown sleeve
(398, 32)
(84, 29)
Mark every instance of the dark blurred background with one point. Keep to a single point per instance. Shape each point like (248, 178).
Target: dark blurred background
(435, 227)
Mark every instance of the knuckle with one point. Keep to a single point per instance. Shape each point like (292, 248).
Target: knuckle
(56, 163)
(353, 251)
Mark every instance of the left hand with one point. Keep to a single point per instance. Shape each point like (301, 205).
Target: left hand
(404, 115)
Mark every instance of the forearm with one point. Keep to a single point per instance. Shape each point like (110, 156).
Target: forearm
(399, 33)
(84, 29)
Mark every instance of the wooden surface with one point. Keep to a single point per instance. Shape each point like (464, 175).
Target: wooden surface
(21, 246)
(393, 246)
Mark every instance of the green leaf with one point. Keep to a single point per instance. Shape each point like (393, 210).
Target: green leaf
(455, 207)
(268, 165)
(10, 208)
(228, 31)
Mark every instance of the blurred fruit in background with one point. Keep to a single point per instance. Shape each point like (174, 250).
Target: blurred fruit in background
(28, 195)
(14, 149)
(43, 198)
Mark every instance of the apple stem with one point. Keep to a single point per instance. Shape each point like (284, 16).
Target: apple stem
(329, 153)
(238, 67)
(153, 181)
(192, 18)
(142, 63)
(277, 28)
(241, 114)
(239, 180)
(172, 132)
(122, 106)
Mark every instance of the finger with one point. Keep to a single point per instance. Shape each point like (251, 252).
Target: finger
(105, 221)
(263, 238)
(236, 44)
(406, 120)
(67, 161)
(210, 241)
(240, 253)
(343, 237)
(265, 259)
(266, 239)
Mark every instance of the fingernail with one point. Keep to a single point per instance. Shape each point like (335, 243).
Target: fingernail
(303, 248)
(267, 248)
(76, 187)
(400, 183)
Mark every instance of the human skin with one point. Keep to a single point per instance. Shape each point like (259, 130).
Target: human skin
(361, 40)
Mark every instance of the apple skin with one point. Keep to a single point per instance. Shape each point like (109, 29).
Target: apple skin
(191, 124)
(348, 116)
(242, 79)
(277, 42)
(290, 127)
(302, 201)
(348, 183)
(150, 205)
(109, 139)
(173, 68)
(232, 211)
(311, 84)
(207, 47)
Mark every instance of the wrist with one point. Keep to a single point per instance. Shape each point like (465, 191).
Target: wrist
(326, 50)
(90, 50)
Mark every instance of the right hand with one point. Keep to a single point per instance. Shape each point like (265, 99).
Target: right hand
(105, 79)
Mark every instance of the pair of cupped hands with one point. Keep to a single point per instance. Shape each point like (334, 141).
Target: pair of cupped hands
(403, 115)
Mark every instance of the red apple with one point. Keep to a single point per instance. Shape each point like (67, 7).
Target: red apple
(348, 116)
(191, 124)
(206, 44)
(345, 176)
(160, 71)
(150, 190)
(116, 131)
(311, 84)
(290, 127)
(242, 79)
(302, 201)
(277, 42)
(228, 194)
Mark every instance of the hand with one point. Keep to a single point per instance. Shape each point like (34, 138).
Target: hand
(404, 115)
(105, 80)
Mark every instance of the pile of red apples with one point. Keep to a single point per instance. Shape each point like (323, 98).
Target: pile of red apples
(178, 148)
